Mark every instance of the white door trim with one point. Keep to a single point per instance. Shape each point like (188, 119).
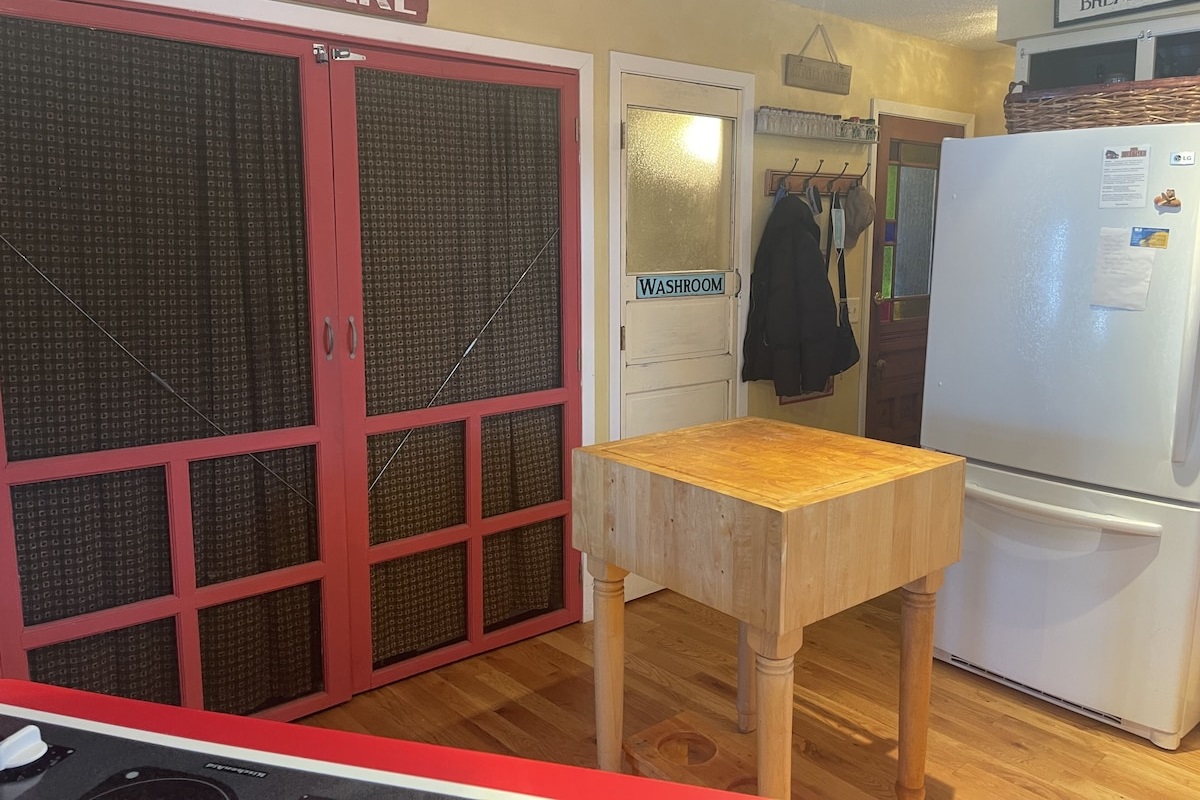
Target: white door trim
(329, 21)
(894, 109)
(620, 63)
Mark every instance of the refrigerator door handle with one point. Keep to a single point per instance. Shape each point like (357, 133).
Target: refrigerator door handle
(1071, 516)
(1185, 396)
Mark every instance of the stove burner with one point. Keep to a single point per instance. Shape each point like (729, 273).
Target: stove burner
(150, 783)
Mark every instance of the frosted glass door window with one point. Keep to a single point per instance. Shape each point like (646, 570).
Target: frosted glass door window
(679, 178)
(914, 242)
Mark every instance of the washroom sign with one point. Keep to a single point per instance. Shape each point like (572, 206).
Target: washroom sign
(402, 10)
(676, 285)
(1070, 12)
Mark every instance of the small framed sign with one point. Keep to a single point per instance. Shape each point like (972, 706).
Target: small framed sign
(400, 10)
(1071, 12)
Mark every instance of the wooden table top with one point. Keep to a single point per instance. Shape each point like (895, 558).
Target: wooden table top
(775, 464)
(778, 525)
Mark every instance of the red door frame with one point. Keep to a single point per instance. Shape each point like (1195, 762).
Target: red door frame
(187, 600)
(339, 511)
(359, 426)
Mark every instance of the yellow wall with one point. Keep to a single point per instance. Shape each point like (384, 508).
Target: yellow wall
(748, 36)
(995, 71)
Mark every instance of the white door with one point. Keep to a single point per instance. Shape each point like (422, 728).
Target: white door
(679, 280)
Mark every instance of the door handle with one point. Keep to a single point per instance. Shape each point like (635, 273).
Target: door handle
(353, 338)
(879, 365)
(1070, 516)
(878, 298)
(328, 340)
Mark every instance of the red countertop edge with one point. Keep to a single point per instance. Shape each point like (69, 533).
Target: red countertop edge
(469, 767)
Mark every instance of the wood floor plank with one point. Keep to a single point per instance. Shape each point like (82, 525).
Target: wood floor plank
(987, 741)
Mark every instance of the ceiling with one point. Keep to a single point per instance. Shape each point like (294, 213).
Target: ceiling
(965, 23)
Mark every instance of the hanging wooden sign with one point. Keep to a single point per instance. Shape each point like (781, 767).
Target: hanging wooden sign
(402, 10)
(813, 73)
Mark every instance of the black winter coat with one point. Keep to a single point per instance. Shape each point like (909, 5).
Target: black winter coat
(792, 330)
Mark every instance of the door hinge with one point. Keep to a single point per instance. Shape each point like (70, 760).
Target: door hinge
(622, 134)
(320, 54)
(579, 360)
(346, 54)
(577, 130)
(622, 337)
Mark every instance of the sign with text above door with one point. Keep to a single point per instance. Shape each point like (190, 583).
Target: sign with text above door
(693, 285)
(1070, 12)
(402, 10)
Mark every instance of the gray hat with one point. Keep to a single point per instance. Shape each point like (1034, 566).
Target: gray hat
(860, 213)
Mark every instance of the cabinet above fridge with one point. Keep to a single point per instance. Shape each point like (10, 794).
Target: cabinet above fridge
(1127, 51)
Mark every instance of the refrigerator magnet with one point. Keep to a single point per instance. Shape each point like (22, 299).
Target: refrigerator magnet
(1150, 237)
(1167, 200)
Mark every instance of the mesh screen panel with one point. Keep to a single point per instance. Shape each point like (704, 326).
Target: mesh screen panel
(91, 543)
(159, 185)
(245, 518)
(522, 459)
(262, 651)
(423, 488)
(137, 662)
(457, 202)
(418, 603)
(522, 573)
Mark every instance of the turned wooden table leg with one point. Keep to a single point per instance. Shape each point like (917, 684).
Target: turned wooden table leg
(916, 678)
(609, 660)
(746, 698)
(775, 665)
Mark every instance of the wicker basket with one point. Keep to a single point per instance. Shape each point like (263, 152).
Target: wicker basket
(1103, 105)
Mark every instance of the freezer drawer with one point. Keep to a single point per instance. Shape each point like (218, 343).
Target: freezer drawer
(1086, 597)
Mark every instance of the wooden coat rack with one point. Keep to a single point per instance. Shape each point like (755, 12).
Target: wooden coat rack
(826, 182)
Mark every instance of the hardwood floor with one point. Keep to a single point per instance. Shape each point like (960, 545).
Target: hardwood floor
(534, 699)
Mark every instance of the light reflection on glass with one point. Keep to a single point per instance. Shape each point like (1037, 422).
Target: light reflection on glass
(702, 138)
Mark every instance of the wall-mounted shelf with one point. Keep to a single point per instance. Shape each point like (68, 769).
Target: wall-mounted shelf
(811, 125)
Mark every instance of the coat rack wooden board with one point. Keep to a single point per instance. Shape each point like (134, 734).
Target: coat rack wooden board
(796, 181)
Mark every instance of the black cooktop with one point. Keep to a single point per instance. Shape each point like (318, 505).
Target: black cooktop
(84, 765)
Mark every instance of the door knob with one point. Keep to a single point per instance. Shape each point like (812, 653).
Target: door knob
(878, 298)
(880, 364)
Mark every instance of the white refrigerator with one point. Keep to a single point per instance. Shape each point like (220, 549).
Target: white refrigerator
(1065, 311)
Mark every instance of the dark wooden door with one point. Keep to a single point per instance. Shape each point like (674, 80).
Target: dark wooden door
(905, 199)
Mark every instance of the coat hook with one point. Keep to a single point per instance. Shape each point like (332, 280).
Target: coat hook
(790, 173)
(867, 169)
(817, 171)
(845, 167)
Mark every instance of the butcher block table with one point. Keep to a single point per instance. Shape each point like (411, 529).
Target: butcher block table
(778, 526)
